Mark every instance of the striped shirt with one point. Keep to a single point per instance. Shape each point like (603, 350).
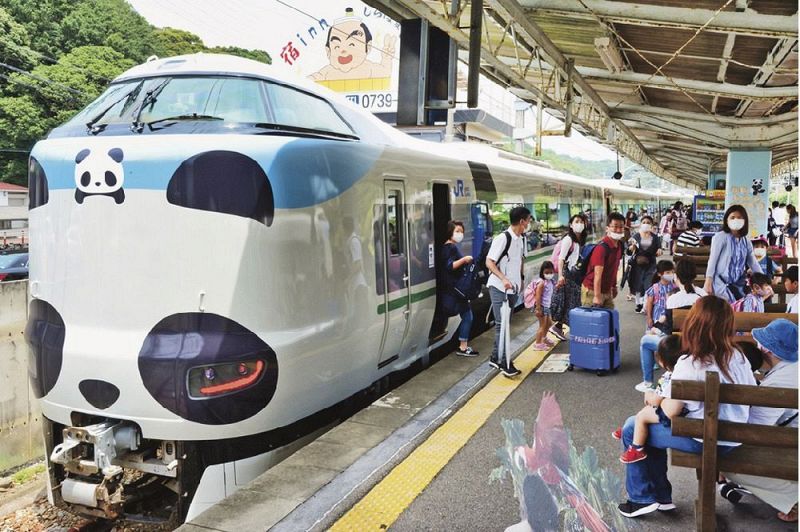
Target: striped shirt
(689, 238)
(660, 292)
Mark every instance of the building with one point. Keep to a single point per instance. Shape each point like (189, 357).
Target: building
(13, 214)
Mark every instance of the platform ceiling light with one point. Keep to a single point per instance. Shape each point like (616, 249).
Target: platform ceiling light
(609, 54)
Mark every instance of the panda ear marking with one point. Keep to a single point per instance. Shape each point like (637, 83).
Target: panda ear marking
(116, 154)
(83, 154)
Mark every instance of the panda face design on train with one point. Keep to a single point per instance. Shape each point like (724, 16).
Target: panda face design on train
(99, 174)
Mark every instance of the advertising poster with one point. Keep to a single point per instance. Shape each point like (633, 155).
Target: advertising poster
(344, 45)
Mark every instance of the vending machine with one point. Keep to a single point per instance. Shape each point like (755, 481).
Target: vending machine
(709, 209)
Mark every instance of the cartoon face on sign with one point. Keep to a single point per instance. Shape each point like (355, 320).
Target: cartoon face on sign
(348, 44)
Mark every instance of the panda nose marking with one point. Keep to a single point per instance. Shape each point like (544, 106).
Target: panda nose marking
(99, 394)
(97, 183)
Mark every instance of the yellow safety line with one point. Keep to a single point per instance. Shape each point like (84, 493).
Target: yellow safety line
(381, 507)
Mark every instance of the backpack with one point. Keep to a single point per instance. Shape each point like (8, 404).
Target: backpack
(738, 305)
(578, 273)
(487, 245)
(529, 295)
(555, 258)
(469, 284)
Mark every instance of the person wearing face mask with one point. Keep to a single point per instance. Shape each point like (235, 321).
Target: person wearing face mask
(760, 291)
(778, 344)
(600, 284)
(760, 250)
(543, 295)
(453, 304)
(656, 310)
(567, 295)
(730, 257)
(644, 247)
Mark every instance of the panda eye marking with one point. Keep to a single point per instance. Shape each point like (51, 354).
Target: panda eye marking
(86, 178)
(111, 179)
(116, 154)
(83, 154)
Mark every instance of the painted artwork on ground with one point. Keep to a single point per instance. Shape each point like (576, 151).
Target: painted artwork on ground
(346, 46)
(558, 487)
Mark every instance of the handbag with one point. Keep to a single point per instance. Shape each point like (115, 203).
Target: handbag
(642, 260)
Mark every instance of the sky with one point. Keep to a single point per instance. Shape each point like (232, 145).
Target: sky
(266, 25)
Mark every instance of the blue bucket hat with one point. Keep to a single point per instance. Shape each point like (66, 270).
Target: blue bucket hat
(780, 338)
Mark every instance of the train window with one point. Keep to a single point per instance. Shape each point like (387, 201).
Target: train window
(298, 109)
(394, 221)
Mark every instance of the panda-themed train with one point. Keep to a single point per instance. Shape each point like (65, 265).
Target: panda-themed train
(220, 257)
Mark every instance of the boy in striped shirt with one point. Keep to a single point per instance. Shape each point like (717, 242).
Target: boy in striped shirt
(691, 238)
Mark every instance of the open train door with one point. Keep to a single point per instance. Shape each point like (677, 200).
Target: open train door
(441, 215)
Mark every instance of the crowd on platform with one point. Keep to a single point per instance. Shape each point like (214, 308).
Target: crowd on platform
(740, 276)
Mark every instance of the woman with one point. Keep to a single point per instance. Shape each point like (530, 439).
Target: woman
(706, 338)
(567, 295)
(644, 247)
(731, 255)
(791, 228)
(454, 304)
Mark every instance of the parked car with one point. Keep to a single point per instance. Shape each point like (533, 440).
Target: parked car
(13, 266)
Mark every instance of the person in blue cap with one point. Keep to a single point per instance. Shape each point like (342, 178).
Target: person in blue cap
(778, 343)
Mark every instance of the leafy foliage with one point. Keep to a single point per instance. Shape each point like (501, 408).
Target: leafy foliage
(70, 51)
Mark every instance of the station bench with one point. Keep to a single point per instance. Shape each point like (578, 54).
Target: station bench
(767, 451)
(743, 321)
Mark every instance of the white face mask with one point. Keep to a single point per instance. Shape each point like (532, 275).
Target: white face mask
(668, 277)
(645, 228)
(616, 236)
(760, 253)
(578, 228)
(548, 276)
(458, 237)
(735, 223)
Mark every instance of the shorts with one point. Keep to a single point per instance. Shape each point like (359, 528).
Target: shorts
(546, 311)
(664, 419)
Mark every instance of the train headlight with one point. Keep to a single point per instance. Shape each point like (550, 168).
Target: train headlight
(223, 379)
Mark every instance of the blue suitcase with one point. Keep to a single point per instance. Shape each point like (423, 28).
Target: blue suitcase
(594, 339)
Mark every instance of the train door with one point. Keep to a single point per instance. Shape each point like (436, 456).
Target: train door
(441, 215)
(397, 296)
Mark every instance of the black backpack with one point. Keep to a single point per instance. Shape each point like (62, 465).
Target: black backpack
(578, 273)
(483, 270)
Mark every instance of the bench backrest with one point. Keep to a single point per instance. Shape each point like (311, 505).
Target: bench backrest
(712, 393)
(743, 321)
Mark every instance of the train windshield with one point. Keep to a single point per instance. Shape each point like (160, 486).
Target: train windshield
(162, 101)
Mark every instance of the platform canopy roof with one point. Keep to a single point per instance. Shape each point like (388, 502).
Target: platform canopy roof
(672, 84)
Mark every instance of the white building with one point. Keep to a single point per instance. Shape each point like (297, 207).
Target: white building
(13, 214)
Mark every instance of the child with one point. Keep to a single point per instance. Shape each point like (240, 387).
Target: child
(543, 295)
(691, 238)
(760, 249)
(667, 355)
(655, 303)
(760, 291)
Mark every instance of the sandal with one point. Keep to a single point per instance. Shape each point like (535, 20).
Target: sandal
(791, 517)
(629, 297)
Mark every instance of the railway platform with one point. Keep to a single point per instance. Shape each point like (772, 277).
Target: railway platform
(421, 457)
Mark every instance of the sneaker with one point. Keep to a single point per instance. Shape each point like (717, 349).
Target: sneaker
(632, 454)
(633, 509)
(639, 308)
(733, 492)
(666, 506)
(541, 346)
(558, 333)
(510, 370)
(468, 352)
(493, 363)
(617, 434)
(644, 386)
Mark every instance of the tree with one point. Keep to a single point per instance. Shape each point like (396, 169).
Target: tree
(14, 42)
(256, 55)
(42, 21)
(171, 42)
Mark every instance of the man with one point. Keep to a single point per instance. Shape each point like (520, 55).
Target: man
(778, 343)
(790, 283)
(600, 284)
(779, 214)
(690, 238)
(504, 261)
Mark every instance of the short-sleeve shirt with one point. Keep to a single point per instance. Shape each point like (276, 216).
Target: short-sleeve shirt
(664, 387)
(792, 306)
(609, 259)
(683, 299)
(660, 292)
(783, 375)
(689, 238)
(570, 257)
(511, 265)
(688, 369)
(752, 303)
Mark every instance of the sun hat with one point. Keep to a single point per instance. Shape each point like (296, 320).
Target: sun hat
(780, 338)
(760, 238)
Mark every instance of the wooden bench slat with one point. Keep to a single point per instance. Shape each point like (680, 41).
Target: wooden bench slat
(748, 460)
(764, 435)
(743, 321)
(738, 394)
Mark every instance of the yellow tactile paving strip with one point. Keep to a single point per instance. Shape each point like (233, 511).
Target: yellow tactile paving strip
(381, 507)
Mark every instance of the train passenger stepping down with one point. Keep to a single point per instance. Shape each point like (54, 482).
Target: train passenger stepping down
(504, 261)
(454, 304)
